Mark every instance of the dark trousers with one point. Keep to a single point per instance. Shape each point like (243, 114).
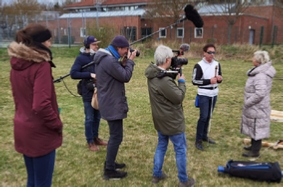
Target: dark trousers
(40, 170)
(205, 110)
(256, 145)
(115, 139)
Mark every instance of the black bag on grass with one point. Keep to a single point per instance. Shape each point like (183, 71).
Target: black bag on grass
(259, 171)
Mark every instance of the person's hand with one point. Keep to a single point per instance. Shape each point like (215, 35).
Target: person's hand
(124, 61)
(181, 76)
(132, 55)
(213, 80)
(219, 78)
(93, 75)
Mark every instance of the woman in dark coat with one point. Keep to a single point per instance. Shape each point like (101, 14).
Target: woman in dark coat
(37, 124)
(256, 109)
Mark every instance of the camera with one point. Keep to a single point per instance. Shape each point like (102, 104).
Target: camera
(177, 62)
(137, 53)
(90, 84)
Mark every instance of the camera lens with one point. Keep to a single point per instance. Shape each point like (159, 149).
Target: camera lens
(137, 53)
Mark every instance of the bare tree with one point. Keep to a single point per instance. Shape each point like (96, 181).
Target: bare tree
(231, 10)
(166, 11)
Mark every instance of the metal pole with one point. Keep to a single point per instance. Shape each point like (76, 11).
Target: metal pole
(97, 9)
(183, 33)
(58, 27)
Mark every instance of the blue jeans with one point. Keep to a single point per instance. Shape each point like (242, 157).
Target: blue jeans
(40, 170)
(205, 110)
(92, 121)
(115, 139)
(180, 148)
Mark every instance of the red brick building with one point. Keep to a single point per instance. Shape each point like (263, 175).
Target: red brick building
(258, 24)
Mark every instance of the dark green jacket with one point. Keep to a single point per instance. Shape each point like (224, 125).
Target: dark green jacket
(166, 99)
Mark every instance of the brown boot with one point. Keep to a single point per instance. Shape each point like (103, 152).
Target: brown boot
(99, 141)
(93, 147)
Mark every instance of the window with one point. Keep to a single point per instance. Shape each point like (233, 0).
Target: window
(130, 33)
(180, 32)
(146, 32)
(162, 33)
(198, 32)
(82, 32)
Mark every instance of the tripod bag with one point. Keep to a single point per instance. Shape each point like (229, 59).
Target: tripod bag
(259, 171)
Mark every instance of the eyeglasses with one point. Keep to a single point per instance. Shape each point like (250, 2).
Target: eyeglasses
(211, 52)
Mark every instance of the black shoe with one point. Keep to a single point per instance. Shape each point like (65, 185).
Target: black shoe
(199, 145)
(114, 174)
(119, 166)
(209, 140)
(248, 148)
(251, 154)
(156, 180)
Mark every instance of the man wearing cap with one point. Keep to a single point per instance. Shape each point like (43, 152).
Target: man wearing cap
(92, 116)
(112, 74)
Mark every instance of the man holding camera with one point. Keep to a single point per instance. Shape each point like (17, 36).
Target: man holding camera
(166, 99)
(112, 74)
(92, 116)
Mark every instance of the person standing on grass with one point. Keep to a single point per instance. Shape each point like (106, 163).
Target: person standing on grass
(206, 75)
(112, 74)
(88, 76)
(37, 124)
(166, 99)
(255, 121)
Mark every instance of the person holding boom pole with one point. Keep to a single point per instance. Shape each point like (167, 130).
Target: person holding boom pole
(206, 75)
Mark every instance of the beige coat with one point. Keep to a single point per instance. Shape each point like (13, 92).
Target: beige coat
(256, 109)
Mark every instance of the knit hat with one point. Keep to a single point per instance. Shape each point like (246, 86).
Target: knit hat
(120, 41)
(42, 36)
(90, 39)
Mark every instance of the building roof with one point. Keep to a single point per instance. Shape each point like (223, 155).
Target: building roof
(91, 3)
(94, 14)
(216, 9)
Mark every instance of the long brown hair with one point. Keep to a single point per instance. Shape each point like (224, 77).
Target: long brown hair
(33, 35)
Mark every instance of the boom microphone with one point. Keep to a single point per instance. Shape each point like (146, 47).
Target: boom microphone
(193, 15)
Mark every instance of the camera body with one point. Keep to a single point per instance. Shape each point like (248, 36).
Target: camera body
(176, 65)
(137, 53)
(176, 61)
(90, 84)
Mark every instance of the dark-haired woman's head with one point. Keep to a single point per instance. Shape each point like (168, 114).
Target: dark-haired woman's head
(33, 34)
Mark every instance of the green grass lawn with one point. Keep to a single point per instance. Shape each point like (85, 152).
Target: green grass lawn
(76, 166)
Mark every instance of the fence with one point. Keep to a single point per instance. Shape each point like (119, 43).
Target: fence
(70, 31)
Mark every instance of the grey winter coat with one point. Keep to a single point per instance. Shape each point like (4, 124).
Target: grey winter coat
(110, 79)
(166, 99)
(256, 109)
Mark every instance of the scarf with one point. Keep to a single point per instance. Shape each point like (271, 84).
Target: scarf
(113, 51)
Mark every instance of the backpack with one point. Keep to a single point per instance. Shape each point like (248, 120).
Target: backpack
(259, 171)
